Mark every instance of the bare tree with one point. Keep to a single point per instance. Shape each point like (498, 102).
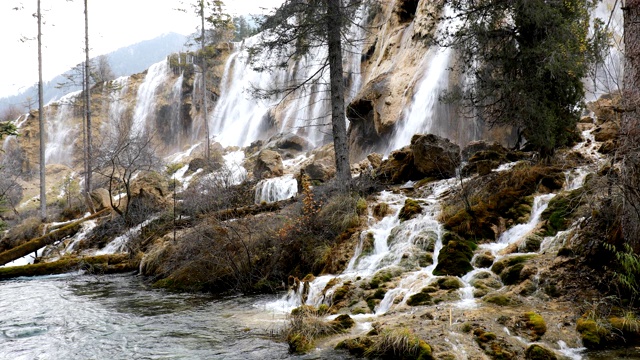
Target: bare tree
(120, 158)
(43, 187)
(102, 69)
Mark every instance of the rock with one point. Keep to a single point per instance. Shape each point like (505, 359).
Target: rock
(454, 259)
(101, 198)
(607, 131)
(586, 120)
(268, 165)
(484, 260)
(483, 150)
(608, 147)
(537, 352)
(509, 269)
(410, 209)
(375, 160)
(434, 156)
(292, 142)
(398, 167)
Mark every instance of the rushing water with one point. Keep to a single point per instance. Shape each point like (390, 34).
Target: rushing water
(121, 317)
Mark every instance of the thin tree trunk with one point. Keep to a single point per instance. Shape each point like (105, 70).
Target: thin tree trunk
(338, 119)
(204, 84)
(87, 102)
(630, 139)
(43, 188)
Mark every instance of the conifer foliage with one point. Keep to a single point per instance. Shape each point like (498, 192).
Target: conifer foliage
(523, 63)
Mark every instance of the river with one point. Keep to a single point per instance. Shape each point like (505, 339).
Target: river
(121, 317)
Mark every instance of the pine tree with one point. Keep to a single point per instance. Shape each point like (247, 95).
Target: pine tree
(291, 32)
(525, 61)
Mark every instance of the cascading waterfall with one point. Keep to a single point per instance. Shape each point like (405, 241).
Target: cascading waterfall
(61, 130)
(118, 107)
(276, 189)
(239, 119)
(145, 102)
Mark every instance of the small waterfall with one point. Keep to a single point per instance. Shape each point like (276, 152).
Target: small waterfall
(118, 107)
(515, 233)
(276, 189)
(61, 130)
(85, 229)
(119, 244)
(145, 102)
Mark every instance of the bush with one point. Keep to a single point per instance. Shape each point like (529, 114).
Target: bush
(307, 324)
(29, 228)
(399, 344)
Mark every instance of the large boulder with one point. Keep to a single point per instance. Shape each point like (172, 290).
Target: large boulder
(268, 165)
(435, 156)
(323, 165)
(398, 167)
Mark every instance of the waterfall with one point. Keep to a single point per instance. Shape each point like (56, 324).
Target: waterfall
(61, 130)
(146, 101)
(276, 189)
(239, 118)
(118, 107)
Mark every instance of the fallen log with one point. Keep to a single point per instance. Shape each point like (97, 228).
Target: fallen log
(101, 264)
(49, 238)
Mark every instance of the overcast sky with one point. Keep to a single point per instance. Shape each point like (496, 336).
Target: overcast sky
(112, 24)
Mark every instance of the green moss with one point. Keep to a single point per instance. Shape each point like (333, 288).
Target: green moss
(590, 333)
(537, 352)
(536, 324)
(299, 344)
(558, 213)
(425, 260)
(454, 259)
(498, 299)
(340, 294)
(421, 298)
(449, 283)
(380, 277)
(410, 209)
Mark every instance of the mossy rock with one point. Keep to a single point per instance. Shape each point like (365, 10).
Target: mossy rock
(454, 259)
(425, 260)
(383, 276)
(591, 333)
(340, 293)
(299, 343)
(484, 260)
(500, 299)
(426, 240)
(368, 243)
(509, 269)
(535, 324)
(410, 209)
(560, 211)
(531, 244)
(449, 283)
(421, 298)
(537, 352)
(342, 323)
(356, 347)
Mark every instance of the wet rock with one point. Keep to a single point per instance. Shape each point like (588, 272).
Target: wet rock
(435, 156)
(484, 260)
(323, 165)
(509, 269)
(410, 209)
(533, 324)
(454, 259)
(449, 283)
(421, 298)
(268, 165)
(608, 147)
(398, 167)
(500, 299)
(538, 352)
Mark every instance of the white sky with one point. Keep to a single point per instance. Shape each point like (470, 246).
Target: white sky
(112, 24)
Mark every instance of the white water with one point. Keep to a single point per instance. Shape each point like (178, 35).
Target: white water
(145, 103)
(517, 232)
(119, 244)
(276, 189)
(61, 130)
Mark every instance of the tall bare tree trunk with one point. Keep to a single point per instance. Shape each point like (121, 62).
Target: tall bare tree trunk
(43, 187)
(630, 134)
(338, 119)
(87, 104)
(203, 66)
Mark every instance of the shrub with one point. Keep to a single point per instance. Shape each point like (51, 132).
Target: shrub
(28, 229)
(399, 344)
